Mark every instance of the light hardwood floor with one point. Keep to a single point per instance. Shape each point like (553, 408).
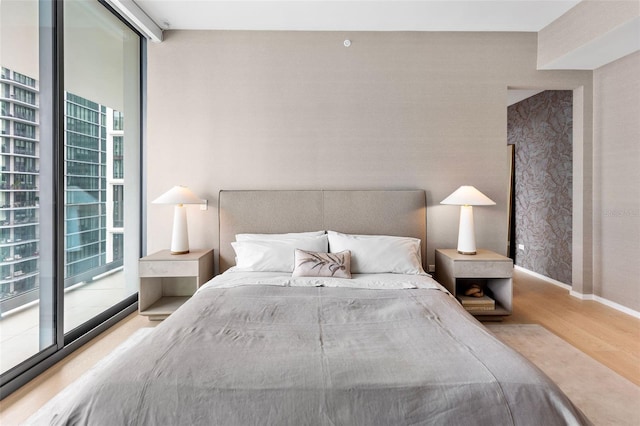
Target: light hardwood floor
(611, 337)
(607, 335)
(18, 406)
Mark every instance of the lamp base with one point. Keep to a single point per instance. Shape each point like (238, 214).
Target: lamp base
(179, 252)
(180, 235)
(467, 252)
(466, 232)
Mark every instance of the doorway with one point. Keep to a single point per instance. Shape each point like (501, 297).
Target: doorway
(540, 136)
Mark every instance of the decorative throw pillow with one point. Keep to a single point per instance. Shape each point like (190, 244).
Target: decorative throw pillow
(314, 264)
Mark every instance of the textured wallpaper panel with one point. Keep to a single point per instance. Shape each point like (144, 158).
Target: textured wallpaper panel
(540, 127)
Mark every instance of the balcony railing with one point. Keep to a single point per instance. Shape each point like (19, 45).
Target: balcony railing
(19, 258)
(22, 151)
(24, 205)
(18, 187)
(21, 222)
(13, 301)
(25, 169)
(17, 241)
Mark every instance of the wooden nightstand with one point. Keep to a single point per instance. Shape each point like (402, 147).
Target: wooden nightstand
(456, 272)
(168, 280)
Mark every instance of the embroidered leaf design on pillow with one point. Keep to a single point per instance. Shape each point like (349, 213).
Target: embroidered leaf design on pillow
(323, 264)
(332, 262)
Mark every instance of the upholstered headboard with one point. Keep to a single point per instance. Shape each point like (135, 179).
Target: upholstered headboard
(386, 212)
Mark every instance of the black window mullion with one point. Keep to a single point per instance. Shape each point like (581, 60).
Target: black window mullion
(49, 296)
(58, 169)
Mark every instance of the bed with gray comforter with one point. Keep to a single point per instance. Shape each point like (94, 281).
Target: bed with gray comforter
(263, 354)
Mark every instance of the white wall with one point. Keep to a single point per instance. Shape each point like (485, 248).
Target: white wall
(617, 181)
(293, 110)
(591, 34)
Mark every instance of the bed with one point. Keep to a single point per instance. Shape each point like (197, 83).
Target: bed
(361, 343)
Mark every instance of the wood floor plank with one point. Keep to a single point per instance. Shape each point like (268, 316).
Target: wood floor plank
(607, 335)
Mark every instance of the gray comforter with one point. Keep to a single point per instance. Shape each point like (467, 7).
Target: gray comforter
(271, 355)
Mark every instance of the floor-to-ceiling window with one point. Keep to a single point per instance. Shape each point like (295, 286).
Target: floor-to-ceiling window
(70, 186)
(26, 280)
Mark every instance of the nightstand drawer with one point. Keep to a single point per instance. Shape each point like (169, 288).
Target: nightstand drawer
(167, 268)
(486, 269)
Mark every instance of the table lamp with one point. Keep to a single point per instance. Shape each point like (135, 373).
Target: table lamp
(466, 197)
(179, 196)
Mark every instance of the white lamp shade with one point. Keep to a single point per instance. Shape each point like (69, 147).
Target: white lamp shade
(468, 195)
(178, 195)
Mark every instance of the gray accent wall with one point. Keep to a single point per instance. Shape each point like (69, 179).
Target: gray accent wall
(541, 127)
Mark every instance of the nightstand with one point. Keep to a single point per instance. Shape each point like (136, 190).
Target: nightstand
(456, 272)
(168, 280)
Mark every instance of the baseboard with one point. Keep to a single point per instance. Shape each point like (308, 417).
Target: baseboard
(581, 296)
(607, 302)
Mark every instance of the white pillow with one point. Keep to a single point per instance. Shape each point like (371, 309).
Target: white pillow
(265, 237)
(378, 254)
(274, 255)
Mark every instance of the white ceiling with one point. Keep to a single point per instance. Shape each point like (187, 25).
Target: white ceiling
(356, 15)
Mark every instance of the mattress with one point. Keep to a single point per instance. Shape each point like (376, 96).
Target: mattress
(266, 348)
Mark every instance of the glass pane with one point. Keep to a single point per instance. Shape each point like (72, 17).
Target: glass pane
(26, 287)
(101, 144)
